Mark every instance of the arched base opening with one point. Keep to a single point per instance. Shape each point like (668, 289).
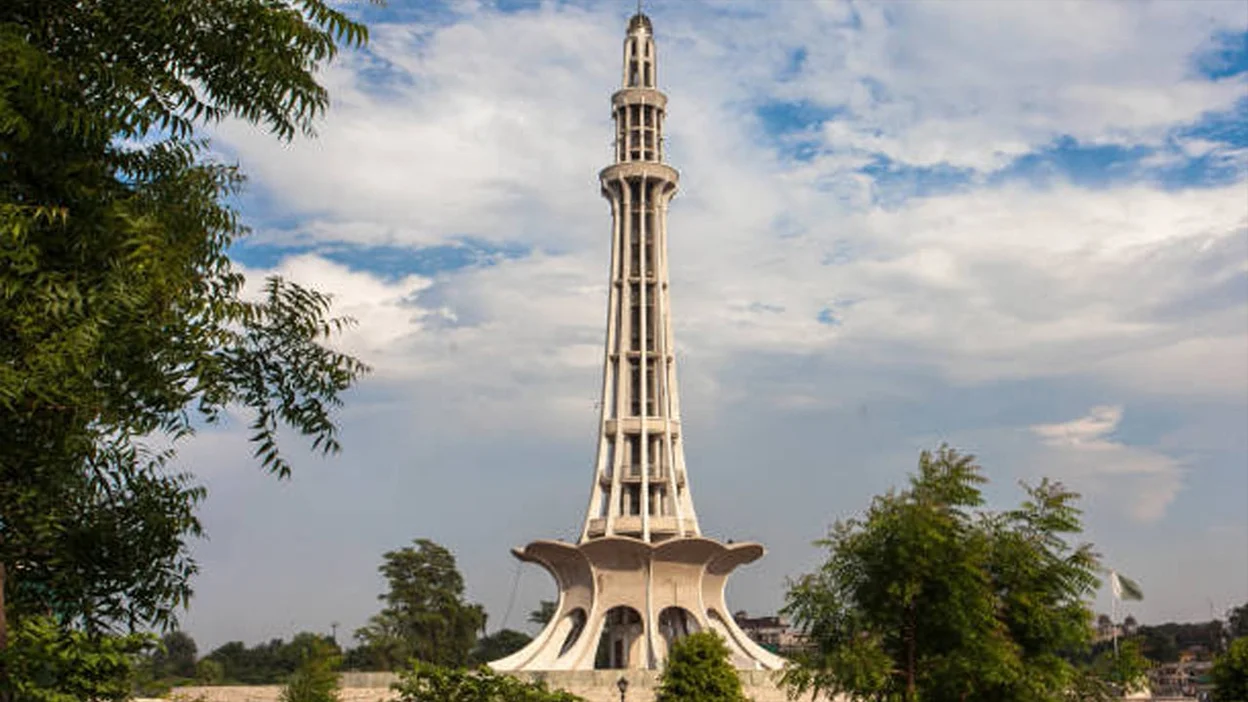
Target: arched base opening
(622, 643)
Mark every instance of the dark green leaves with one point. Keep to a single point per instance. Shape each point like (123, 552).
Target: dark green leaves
(122, 320)
(698, 670)
(425, 682)
(44, 663)
(928, 596)
(425, 617)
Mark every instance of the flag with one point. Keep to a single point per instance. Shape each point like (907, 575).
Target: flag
(1124, 588)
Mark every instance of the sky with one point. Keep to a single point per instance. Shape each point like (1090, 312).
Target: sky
(1017, 227)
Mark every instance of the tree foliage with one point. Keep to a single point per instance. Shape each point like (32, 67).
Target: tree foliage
(544, 613)
(1237, 621)
(46, 663)
(209, 672)
(698, 669)
(929, 596)
(268, 663)
(1125, 670)
(1230, 673)
(122, 321)
(175, 656)
(425, 682)
(425, 616)
(498, 645)
(1164, 643)
(315, 679)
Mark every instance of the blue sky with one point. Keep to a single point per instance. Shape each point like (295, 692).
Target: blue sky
(1018, 227)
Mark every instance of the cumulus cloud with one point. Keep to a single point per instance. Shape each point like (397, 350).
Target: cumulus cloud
(803, 298)
(1141, 481)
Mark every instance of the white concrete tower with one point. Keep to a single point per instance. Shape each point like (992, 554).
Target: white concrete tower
(640, 487)
(641, 575)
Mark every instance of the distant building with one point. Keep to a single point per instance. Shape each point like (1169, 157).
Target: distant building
(772, 633)
(1187, 678)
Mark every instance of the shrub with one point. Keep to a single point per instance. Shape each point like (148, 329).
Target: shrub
(316, 677)
(698, 670)
(426, 682)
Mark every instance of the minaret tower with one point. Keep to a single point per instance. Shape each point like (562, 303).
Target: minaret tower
(640, 488)
(641, 575)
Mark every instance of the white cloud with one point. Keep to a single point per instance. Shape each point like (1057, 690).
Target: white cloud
(498, 127)
(1082, 450)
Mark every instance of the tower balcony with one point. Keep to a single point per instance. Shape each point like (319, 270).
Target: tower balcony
(632, 476)
(639, 96)
(633, 425)
(630, 170)
(631, 524)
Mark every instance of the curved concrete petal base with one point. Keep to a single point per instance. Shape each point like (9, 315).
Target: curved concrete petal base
(645, 595)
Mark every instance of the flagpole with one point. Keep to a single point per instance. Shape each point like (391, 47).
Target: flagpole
(1114, 587)
(1114, 617)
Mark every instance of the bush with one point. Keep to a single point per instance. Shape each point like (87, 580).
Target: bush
(209, 672)
(426, 682)
(316, 677)
(1230, 673)
(698, 670)
(45, 663)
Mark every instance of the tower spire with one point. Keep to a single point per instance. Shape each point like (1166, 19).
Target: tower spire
(640, 488)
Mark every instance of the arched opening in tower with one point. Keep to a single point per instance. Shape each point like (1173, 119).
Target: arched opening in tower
(623, 636)
(675, 623)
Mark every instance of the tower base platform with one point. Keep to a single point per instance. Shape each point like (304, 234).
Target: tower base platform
(624, 601)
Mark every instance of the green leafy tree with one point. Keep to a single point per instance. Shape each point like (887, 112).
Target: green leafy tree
(1230, 673)
(209, 672)
(315, 679)
(175, 656)
(46, 663)
(123, 324)
(1159, 643)
(698, 670)
(1126, 670)
(499, 644)
(425, 682)
(268, 663)
(929, 596)
(544, 613)
(1237, 621)
(425, 615)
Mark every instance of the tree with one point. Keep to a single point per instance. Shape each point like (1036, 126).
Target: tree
(1237, 621)
(123, 324)
(1104, 626)
(1230, 673)
(1129, 625)
(46, 663)
(268, 663)
(698, 670)
(425, 617)
(425, 682)
(544, 613)
(498, 645)
(1159, 643)
(175, 656)
(209, 672)
(315, 678)
(1126, 669)
(928, 596)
